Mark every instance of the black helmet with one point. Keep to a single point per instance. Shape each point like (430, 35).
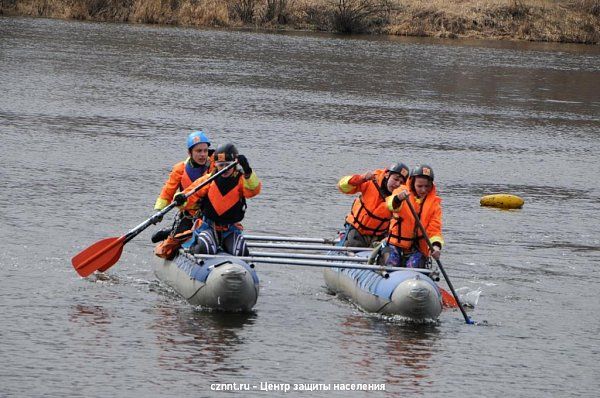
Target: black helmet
(226, 153)
(401, 169)
(422, 170)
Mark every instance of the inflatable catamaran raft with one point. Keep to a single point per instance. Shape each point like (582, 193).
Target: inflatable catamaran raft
(211, 281)
(228, 283)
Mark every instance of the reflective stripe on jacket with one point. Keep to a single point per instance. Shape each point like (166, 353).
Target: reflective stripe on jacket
(404, 232)
(369, 215)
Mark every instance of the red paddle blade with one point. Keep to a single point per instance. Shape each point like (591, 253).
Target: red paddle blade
(99, 256)
(448, 300)
(112, 261)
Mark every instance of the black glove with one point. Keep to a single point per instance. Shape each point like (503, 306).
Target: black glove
(179, 199)
(399, 198)
(243, 162)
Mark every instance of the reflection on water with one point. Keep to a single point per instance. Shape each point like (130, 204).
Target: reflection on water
(90, 326)
(401, 350)
(87, 315)
(199, 341)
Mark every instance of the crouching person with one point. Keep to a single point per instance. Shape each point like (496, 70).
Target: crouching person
(369, 219)
(222, 203)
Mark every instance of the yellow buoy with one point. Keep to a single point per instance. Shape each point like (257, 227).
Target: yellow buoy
(502, 200)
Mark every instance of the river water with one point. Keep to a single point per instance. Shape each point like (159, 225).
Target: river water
(92, 117)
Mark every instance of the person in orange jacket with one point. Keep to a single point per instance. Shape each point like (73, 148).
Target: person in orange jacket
(223, 204)
(369, 218)
(405, 245)
(182, 176)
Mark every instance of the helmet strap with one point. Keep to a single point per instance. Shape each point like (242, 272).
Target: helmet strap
(384, 186)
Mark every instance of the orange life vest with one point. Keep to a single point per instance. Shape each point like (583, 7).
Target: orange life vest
(179, 179)
(370, 214)
(224, 200)
(404, 231)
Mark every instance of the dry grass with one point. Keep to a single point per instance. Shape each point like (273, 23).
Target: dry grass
(538, 20)
(524, 20)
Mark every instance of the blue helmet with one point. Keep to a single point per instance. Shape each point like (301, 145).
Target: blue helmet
(197, 137)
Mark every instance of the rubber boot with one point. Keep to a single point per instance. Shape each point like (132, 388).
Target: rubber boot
(161, 235)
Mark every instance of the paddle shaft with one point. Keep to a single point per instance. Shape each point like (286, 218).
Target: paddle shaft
(158, 216)
(309, 263)
(439, 263)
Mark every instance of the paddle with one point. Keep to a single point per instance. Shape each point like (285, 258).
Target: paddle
(439, 263)
(105, 253)
(447, 299)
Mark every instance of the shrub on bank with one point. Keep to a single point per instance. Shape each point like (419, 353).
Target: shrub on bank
(539, 20)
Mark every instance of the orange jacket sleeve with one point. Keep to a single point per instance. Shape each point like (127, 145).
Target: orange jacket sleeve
(352, 184)
(172, 184)
(434, 223)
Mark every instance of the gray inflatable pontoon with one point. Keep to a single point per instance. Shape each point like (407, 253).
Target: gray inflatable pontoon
(225, 283)
(406, 293)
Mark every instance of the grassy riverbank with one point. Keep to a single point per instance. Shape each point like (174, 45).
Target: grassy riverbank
(573, 21)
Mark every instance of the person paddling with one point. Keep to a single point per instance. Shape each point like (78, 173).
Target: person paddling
(369, 218)
(405, 245)
(223, 204)
(182, 176)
